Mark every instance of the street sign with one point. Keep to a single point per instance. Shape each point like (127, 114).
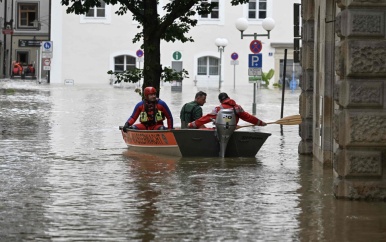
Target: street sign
(254, 71)
(139, 59)
(46, 64)
(234, 62)
(255, 46)
(47, 46)
(139, 53)
(234, 56)
(255, 60)
(29, 43)
(177, 55)
(8, 31)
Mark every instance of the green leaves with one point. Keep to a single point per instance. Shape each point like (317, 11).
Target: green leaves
(266, 76)
(135, 75)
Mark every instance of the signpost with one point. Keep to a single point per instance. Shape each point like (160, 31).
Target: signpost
(139, 54)
(46, 64)
(45, 56)
(255, 64)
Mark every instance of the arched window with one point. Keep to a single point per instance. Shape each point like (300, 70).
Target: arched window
(124, 63)
(207, 66)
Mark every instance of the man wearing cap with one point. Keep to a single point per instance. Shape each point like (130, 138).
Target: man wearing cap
(226, 103)
(151, 111)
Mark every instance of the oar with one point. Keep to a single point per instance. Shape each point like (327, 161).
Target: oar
(289, 120)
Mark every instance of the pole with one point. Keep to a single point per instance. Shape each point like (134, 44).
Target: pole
(139, 65)
(40, 66)
(219, 76)
(234, 76)
(283, 83)
(254, 99)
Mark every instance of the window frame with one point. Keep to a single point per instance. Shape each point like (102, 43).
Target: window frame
(210, 67)
(106, 19)
(30, 25)
(125, 63)
(95, 11)
(257, 10)
(215, 10)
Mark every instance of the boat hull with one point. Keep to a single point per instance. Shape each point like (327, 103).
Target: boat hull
(204, 143)
(152, 141)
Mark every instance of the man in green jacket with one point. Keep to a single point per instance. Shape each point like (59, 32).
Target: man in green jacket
(192, 110)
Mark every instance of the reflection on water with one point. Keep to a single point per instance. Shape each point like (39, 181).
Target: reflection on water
(66, 175)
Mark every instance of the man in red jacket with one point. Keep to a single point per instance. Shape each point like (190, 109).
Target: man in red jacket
(151, 113)
(226, 103)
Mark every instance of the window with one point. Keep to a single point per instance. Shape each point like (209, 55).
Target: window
(22, 57)
(208, 65)
(215, 12)
(257, 9)
(97, 15)
(124, 63)
(27, 14)
(97, 12)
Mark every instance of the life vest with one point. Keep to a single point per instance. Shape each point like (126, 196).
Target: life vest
(150, 115)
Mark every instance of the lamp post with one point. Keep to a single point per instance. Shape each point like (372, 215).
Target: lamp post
(242, 25)
(221, 43)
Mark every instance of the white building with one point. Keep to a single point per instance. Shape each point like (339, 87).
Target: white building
(86, 47)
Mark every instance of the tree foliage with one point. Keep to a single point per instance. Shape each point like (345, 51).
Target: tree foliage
(177, 18)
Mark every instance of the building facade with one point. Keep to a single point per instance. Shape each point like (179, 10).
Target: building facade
(25, 24)
(87, 46)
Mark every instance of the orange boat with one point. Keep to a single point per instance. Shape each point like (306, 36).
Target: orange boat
(151, 141)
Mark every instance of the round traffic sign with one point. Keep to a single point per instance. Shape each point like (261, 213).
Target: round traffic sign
(47, 62)
(139, 53)
(234, 56)
(255, 46)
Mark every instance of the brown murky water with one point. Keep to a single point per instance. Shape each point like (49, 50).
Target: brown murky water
(66, 175)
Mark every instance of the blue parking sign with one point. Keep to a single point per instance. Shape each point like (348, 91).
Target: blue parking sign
(255, 60)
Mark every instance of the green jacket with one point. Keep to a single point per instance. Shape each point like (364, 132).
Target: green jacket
(190, 112)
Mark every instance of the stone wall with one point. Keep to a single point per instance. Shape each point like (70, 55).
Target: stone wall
(360, 120)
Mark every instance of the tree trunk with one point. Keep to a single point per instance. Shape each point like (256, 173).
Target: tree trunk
(152, 47)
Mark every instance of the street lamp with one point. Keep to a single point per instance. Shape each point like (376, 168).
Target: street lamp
(221, 43)
(242, 25)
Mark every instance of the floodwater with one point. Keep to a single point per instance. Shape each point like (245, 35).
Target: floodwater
(66, 175)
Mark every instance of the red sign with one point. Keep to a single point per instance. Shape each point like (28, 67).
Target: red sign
(255, 46)
(46, 61)
(7, 31)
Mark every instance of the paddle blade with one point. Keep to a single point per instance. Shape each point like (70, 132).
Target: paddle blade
(289, 120)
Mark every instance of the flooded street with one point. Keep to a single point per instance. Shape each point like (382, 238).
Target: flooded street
(67, 175)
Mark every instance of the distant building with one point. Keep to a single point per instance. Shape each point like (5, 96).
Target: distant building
(24, 24)
(87, 46)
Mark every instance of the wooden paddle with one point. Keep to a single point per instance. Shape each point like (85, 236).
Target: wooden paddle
(289, 120)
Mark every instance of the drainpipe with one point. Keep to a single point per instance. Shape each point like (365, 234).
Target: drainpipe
(5, 40)
(49, 33)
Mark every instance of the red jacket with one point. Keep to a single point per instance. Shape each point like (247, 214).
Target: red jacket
(227, 104)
